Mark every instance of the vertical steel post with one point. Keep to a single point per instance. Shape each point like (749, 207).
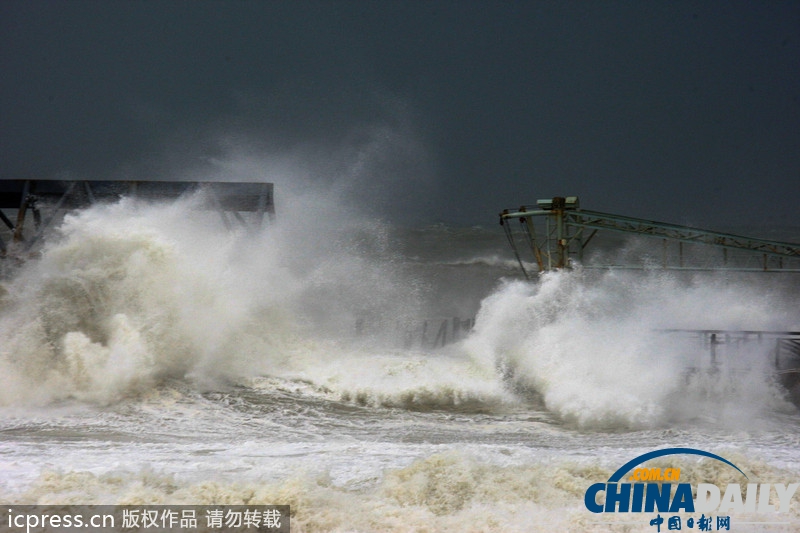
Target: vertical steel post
(23, 207)
(548, 236)
(559, 203)
(534, 246)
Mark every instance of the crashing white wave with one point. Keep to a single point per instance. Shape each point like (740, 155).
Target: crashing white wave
(590, 344)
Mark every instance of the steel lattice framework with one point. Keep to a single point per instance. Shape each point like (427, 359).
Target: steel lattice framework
(568, 229)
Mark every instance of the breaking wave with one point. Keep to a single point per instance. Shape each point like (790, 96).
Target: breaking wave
(594, 346)
(130, 295)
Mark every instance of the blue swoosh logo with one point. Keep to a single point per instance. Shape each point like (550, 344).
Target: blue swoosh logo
(616, 476)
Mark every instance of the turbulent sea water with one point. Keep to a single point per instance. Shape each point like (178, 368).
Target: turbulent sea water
(149, 356)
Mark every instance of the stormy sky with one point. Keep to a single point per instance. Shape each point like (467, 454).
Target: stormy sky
(427, 111)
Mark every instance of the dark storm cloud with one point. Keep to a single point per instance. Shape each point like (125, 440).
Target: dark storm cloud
(681, 111)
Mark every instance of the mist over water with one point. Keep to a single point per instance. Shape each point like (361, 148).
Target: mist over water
(152, 356)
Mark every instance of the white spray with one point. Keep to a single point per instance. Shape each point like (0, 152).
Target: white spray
(590, 344)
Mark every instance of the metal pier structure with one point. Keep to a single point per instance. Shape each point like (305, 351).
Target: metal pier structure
(556, 231)
(47, 200)
(781, 347)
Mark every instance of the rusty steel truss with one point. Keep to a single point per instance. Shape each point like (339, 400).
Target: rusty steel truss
(46, 200)
(556, 232)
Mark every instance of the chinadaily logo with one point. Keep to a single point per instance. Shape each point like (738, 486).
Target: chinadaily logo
(671, 505)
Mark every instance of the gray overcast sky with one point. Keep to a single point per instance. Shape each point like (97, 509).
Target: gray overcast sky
(687, 112)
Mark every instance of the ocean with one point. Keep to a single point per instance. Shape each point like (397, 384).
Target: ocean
(373, 377)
